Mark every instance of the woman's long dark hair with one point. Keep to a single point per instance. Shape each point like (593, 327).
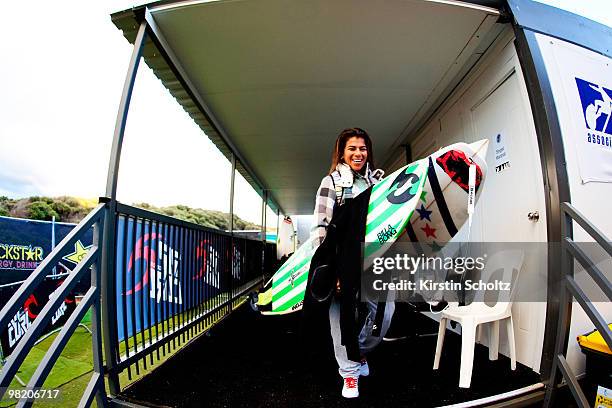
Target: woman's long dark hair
(343, 137)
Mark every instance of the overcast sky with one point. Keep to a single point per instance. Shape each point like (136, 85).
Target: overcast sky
(64, 65)
(62, 73)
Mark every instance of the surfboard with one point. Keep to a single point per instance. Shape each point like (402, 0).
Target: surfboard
(427, 199)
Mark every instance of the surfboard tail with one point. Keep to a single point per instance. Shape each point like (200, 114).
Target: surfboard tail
(444, 207)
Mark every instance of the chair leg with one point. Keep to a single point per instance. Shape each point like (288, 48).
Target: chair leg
(441, 333)
(511, 344)
(468, 338)
(494, 340)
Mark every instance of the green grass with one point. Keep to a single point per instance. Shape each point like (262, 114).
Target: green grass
(75, 362)
(74, 368)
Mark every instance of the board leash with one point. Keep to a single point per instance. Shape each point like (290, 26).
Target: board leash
(471, 195)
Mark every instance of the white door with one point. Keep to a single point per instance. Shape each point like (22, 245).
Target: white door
(514, 188)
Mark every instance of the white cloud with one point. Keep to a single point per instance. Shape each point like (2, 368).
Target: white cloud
(62, 75)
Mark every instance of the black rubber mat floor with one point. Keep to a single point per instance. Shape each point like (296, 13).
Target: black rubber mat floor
(257, 361)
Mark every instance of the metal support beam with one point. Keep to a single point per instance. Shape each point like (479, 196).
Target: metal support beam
(264, 202)
(231, 230)
(109, 309)
(96, 317)
(108, 250)
(124, 106)
(277, 230)
(232, 187)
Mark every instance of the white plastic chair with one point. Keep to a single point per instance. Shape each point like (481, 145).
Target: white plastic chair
(478, 312)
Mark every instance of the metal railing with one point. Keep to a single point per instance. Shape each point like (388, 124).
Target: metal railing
(571, 290)
(90, 263)
(166, 281)
(173, 280)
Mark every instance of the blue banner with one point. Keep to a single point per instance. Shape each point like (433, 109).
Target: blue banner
(163, 271)
(23, 246)
(25, 243)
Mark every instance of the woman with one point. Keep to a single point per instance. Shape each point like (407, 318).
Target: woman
(351, 172)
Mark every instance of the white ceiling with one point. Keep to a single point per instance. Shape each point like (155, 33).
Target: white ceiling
(284, 77)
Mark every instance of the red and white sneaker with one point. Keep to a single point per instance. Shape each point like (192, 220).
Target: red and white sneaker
(364, 369)
(351, 387)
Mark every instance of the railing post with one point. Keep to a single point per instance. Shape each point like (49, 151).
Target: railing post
(96, 313)
(565, 308)
(108, 297)
(277, 238)
(109, 317)
(264, 202)
(231, 231)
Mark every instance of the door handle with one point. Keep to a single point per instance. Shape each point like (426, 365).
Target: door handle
(533, 216)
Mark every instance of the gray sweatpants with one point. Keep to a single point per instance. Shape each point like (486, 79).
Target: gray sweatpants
(367, 341)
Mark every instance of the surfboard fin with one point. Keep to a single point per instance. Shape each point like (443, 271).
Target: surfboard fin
(264, 298)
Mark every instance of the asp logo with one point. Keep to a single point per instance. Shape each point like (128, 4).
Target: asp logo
(596, 106)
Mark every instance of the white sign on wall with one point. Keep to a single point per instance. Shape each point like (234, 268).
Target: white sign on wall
(587, 83)
(502, 158)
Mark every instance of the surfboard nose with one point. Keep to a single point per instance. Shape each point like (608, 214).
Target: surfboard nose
(480, 148)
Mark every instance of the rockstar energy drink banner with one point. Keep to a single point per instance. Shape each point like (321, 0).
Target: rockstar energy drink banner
(24, 244)
(20, 257)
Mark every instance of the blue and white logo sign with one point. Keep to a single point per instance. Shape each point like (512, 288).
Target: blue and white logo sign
(597, 110)
(593, 131)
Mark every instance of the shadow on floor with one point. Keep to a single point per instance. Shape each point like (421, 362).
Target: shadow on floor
(258, 361)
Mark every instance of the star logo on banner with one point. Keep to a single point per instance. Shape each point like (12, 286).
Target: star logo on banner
(29, 254)
(435, 247)
(424, 213)
(429, 232)
(423, 196)
(79, 253)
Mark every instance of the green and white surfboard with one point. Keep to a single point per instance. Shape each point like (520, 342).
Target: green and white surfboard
(385, 221)
(391, 210)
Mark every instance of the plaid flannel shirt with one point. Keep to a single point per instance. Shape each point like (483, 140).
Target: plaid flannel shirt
(324, 210)
(326, 200)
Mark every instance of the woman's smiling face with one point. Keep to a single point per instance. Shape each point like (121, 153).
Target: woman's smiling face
(355, 153)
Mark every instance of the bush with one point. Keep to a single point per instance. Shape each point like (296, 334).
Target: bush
(62, 209)
(35, 199)
(40, 210)
(71, 202)
(6, 204)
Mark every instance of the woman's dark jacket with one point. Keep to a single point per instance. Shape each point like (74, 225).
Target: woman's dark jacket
(341, 251)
